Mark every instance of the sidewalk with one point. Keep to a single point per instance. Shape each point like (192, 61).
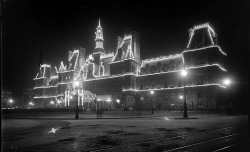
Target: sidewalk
(86, 115)
(107, 115)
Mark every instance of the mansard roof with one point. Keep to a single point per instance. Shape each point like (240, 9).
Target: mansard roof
(124, 50)
(107, 60)
(162, 60)
(201, 36)
(44, 71)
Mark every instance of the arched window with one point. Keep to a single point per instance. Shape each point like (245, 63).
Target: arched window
(153, 69)
(172, 65)
(147, 68)
(101, 70)
(159, 67)
(142, 71)
(165, 68)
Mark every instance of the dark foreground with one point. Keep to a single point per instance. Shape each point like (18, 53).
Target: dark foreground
(125, 131)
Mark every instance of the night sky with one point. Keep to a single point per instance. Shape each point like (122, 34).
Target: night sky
(53, 28)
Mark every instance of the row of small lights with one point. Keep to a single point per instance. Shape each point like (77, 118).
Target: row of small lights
(52, 102)
(227, 82)
(134, 75)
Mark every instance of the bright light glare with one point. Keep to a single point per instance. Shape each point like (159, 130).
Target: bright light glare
(152, 92)
(108, 100)
(76, 83)
(118, 100)
(181, 97)
(227, 82)
(31, 103)
(52, 102)
(70, 97)
(184, 73)
(10, 100)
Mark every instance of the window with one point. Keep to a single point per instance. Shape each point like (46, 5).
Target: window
(200, 95)
(172, 96)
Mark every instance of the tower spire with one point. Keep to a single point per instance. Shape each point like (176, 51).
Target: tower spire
(99, 38)
(99, 23)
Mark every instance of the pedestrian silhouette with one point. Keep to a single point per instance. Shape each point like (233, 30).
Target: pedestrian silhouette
(98, 112)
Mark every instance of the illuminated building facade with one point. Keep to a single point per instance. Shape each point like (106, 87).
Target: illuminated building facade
(6, 97)
(27, 98)
(122, 80)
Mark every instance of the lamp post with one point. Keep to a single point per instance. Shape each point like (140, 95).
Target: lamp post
(108, 101)
(11, 101)
(31, 104)
(141, 102)
(59, 102)
(227, 82)
(118, 102)
(184, 74)
(181, 97)
(76, 84)
(152, 92)
(52, 102)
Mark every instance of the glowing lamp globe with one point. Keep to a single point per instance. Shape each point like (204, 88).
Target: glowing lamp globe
(227, 82)
(184, 73)
(118, 100)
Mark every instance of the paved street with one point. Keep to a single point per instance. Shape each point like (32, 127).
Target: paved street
(125, 131)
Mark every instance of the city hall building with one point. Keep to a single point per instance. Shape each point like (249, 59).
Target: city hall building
(123, 80)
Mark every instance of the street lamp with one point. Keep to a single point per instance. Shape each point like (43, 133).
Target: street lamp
(59, 102)
(118, 101)
(184, 74)
(96, 105)
(181, 97)
(76, 84)
(11, 101)
(227, 82)
(108, 100)
(152, 92)
(141, 101)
